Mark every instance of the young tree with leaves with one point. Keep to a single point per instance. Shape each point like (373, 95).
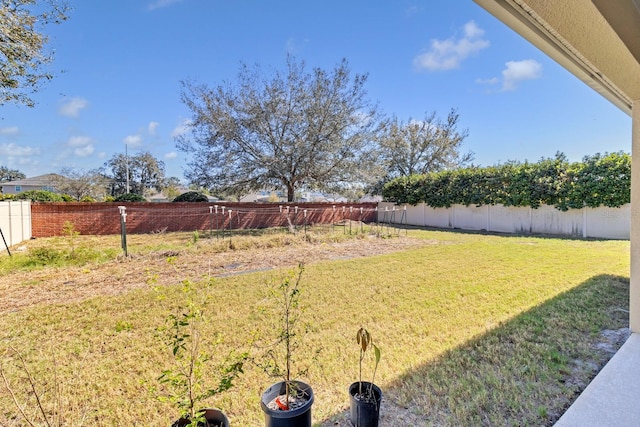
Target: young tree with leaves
(144, 172)
(7, 174)
(291, 130)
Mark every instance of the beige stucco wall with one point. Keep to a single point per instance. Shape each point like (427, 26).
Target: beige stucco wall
(580, 23)
(634, 293)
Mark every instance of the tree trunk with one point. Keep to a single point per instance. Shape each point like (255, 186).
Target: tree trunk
(291, 192)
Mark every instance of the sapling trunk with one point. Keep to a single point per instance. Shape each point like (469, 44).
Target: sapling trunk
(291, 295)
(360, 376)
(288, 296)
(191, 374)
(288, 357)
(363, 337)
(376, 352)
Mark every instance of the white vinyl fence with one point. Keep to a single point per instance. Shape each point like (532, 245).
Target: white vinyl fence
(15, 222)
(602, 222)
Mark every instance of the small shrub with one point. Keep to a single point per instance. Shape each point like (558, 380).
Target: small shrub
(192, 377)
(44, 256)
(69, 230)
(191, 196)
(87, 199)
(131, 197)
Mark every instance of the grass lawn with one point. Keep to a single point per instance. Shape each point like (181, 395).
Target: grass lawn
(474, 330)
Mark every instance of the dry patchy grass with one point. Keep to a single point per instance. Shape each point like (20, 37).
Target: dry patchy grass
(474, 329)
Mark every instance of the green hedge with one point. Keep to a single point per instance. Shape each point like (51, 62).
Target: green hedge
(597, 180)
(39, 196)
(130, 197)
(191, 196)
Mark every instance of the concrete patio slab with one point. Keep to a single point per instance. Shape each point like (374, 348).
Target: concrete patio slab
(612, 399)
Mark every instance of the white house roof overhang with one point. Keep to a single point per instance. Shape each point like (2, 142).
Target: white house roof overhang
(596, 40)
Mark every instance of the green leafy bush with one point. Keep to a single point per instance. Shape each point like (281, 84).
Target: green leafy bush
(45, 256)
(191, 196)
(131, 197)
(39, 196)
(597, 180)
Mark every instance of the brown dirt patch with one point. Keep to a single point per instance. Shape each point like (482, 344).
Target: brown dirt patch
(21, 289)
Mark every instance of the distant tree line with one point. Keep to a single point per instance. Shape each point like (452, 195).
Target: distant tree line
(600, 179)
(121, 178)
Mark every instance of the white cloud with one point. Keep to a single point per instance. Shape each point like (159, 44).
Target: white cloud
(72, 107)
(158, 4)
(514, 73)
(472, 31)
(153, 126)
(82, 145)
(517, 71)
(182, 128)
(449, 54)
(84, 151)
(15, 150)
(171, 155)
(79, 141)
(133, 140)
(12, 130)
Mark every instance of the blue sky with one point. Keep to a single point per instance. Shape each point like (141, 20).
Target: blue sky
(118, 66)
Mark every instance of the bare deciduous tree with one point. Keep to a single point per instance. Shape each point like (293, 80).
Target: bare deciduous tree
(428, 145)
(80, 184)
(289, 130)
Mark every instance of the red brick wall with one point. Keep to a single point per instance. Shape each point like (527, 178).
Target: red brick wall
(104, 218)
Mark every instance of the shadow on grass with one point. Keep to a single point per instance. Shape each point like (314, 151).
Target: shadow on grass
(525, 372)
(400, 229)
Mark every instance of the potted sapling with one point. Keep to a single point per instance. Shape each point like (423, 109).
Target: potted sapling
(194, 377)
(286, 403)
(365, 397)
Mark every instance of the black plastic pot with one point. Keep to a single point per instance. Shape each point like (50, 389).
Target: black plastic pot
(365, 413)
(214, 417)
(299, 417)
